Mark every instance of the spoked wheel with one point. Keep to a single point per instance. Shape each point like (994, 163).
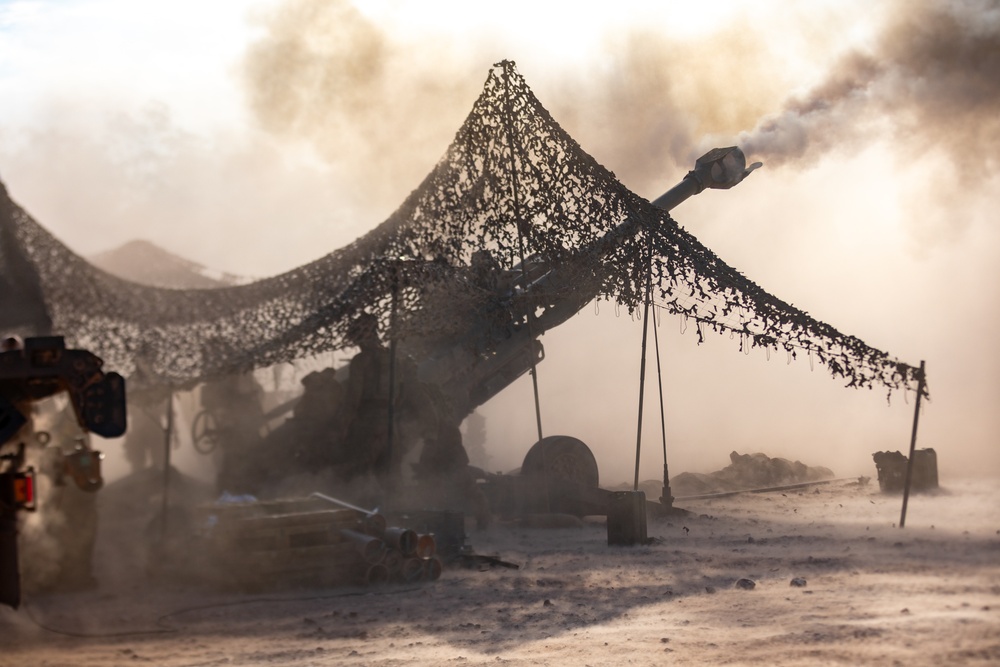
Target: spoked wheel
(566, 467)
(205, 432)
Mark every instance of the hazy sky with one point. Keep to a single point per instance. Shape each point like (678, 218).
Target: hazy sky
(255, 136)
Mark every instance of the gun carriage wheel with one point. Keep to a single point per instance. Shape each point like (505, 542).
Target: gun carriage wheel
(205, 432)
(566, 469)
(562, 457)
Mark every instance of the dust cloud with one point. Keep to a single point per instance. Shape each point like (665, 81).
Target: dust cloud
(642, 108)
(327, 77)
(97, 181)
(931, 75)
(367, 96)
(928, 85)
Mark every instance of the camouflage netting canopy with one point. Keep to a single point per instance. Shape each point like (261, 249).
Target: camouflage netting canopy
(513, 183)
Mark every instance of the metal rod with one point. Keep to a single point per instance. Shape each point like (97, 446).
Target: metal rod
(520, 240)
(342, 503)
(913, 445)
(389, 481)
(767, 489)
(659, 382)
(167, 441)
(642, 363)
(524, 278)
(666, 496)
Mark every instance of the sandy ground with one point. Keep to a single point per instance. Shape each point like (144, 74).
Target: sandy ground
(928, 594)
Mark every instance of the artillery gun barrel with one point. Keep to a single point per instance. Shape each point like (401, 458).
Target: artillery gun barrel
(719, 169)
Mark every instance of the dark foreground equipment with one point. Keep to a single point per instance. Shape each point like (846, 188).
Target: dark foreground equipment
(43, 368)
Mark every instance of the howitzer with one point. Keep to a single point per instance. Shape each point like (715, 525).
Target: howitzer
(542, 297)
(538, 297)
(481, 355)
(43, 368)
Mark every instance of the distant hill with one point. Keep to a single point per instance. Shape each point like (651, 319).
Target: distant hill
(145, 262)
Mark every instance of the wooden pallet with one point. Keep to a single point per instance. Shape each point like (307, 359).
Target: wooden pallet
(302, 542)
(282, 543)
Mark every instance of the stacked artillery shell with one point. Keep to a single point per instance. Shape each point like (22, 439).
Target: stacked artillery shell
(411, 557)
(371, 549)
(403, 539)
(432, 568)
(288, 543)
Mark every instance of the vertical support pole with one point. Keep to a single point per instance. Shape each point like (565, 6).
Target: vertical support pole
(666, 495)
(520, 239)
(389, 481)
(913, 446)
(168, 437)
(642, 362)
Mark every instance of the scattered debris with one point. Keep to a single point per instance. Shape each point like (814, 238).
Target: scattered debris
(746, 584)
(748, 471)
(798, 582)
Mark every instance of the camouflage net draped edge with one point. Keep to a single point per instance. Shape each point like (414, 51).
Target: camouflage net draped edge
(514, 183)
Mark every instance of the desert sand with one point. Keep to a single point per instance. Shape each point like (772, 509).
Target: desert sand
(870, 593)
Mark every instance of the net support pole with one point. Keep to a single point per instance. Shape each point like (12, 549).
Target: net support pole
(168, 437)
(642, 362)
(508, 117)
(913, 446)
(666, 495)
(391, 412)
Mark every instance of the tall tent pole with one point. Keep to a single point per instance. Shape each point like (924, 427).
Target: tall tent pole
(913, 445)
(168, 437)
(642, 362)
(520, 239)
(390, 482)
(666, 496)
